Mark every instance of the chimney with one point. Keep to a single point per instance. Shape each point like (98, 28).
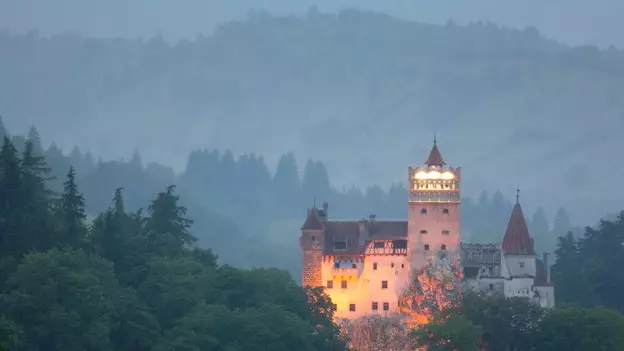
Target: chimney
(362, 231)
(546, 267)
(326, 209)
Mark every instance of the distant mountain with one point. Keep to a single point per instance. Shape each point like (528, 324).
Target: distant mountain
(362, 92)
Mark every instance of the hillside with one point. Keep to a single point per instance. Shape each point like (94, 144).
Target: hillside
(360, 91)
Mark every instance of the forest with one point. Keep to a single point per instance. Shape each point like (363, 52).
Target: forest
(359, 90)
(247, 214)
(138, 280)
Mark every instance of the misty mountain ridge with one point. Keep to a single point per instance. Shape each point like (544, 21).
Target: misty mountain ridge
(362, 92)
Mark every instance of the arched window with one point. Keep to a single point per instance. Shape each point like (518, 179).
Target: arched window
(423, 211)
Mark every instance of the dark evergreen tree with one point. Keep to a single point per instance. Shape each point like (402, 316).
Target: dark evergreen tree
(166, 226)
(72, 213)
(11, 240)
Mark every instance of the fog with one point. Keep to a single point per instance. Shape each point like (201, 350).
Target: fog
(362, 92)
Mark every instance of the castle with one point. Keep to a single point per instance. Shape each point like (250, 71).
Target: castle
(366, 265)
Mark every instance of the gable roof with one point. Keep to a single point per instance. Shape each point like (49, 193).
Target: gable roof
(313, 221)
(517, 240)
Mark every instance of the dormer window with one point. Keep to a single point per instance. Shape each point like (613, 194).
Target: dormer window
(340, 245)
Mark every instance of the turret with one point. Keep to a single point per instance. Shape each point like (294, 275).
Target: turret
(312, 243)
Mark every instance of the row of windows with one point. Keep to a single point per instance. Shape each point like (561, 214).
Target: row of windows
(444, 232)
(442, 247)
(354, 265)
(374, 306)
(424, 211)
(343, 284)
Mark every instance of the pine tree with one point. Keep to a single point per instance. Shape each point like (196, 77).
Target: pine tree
(72, 212)
(10, 200)
(167, 226)
(36, 198)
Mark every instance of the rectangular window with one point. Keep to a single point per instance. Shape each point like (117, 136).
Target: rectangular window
(426, 247)
(392, 265)
(374, 266)
(335, 307)
(340, 245)
(384, 284)
(402, 265)
(330, 284)
(313, 238)
(379, 245)
(352, 307)
(336, 264)
(491, 286)
(386, 306)
(354, 265)
(521, 264)
(375, 307)
(343, 284)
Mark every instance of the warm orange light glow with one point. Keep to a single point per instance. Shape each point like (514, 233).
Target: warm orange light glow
(422, 175)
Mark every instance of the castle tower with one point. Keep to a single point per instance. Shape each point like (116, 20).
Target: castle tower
(433, 210)
(312, 242)
(517, 245)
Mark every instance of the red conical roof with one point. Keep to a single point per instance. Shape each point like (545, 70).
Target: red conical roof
(517, 240)
(313, 221)
(435, 158)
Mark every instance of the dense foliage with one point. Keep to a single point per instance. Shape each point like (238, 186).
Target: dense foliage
(251, 216)
(496, 323)
(133, 280)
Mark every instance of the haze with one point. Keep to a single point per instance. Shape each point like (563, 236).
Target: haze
(521, 109)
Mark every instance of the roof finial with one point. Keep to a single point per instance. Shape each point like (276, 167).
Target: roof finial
(314, 201)
(518, 195)
(435, 139)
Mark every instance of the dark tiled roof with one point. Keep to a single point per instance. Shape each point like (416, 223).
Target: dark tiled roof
(517, 240)
(342, 231)
(435, 157)
(313, 221)
(349, 231)
(387, 229)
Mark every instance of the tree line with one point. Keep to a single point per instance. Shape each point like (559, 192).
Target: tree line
(133, 280)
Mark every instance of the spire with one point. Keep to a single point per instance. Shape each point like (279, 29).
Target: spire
(517, 240)
(435, 158)
(313, 221)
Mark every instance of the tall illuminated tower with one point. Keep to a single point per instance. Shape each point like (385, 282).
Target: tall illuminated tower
(433, 210)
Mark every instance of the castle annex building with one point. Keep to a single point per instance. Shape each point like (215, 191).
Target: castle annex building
(366, 265)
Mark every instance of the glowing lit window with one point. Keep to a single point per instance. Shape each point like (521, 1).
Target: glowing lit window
(375, 306)
(330, 284)
(384, 284)
(343, 284)
(352, 307)
(386, 306)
